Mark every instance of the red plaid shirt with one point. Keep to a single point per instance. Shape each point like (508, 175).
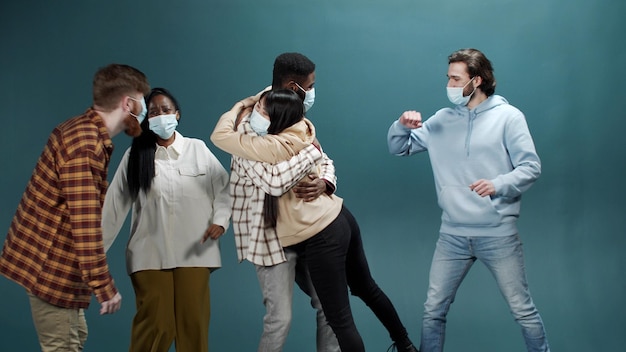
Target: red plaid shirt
(54, 246)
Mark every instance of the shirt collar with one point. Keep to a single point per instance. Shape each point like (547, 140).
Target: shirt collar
(102, 128)
(175, 149)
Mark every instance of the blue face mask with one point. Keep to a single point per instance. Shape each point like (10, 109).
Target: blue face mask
(259, 123)
(163, 125)
(455, 94)
(144, 110)
(309, 97)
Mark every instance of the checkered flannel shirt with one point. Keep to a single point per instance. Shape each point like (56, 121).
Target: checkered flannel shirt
(255, 242)
(54, 245)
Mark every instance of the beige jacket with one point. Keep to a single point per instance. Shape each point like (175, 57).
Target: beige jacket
(297, 220)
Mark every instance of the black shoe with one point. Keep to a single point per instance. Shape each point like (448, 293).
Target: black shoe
(409, 348)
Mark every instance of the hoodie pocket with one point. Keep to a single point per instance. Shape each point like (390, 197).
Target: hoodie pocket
(465, 207)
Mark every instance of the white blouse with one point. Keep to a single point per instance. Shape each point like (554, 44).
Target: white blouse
(189, 192)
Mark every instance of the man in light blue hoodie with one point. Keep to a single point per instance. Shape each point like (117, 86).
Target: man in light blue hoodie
(483, 158)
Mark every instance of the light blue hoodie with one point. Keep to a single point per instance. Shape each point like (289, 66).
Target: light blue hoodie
(491, 142)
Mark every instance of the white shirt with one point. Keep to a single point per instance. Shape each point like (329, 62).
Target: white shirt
(189, 192)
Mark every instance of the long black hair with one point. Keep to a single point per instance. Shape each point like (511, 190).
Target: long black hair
(285, 109)
(141, 169)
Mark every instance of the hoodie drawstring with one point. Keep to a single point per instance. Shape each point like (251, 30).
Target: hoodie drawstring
(470, 126)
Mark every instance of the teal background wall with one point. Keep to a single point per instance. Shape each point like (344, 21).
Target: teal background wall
(561, 62)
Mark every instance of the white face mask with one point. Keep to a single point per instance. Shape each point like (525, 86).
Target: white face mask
(259, 123)
(163, 125)
(144, 110)
(309, 97)
(455, 94)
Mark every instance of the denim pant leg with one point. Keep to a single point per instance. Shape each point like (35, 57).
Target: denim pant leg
(451, 262)
(277, 288)
(326, 258)
(326, 341)
(504, 258)
(362, 285)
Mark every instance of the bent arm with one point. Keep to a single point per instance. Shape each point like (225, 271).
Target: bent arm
(277, 179)
(78, 181)
(269, 148)
(404, 141)
(327, 173)
(117, 203)
(524, 159)
(220, 190)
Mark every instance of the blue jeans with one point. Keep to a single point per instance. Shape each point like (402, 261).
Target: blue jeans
(277, 289)
(503, 256)
(336, 261)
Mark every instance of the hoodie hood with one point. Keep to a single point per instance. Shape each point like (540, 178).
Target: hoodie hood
(489, 103)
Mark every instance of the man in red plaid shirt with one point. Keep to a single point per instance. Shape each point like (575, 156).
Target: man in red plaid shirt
(54, 245)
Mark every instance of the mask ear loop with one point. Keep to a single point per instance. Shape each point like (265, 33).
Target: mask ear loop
(301, 91)
(130, 110)
(473, 91)
(299, 86)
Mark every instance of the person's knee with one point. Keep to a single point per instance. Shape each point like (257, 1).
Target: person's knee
(282, 316)
(278, 315)
(435, 308)
(340, 318)
(524, 312)
(366, 291)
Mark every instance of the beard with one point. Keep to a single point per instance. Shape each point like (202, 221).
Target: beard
(133, 128)
(468, 90)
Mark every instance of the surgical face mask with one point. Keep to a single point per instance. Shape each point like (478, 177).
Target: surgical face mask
(163, 125)
(455, 94)
(309, 97)
(144, 110)
(259, 123)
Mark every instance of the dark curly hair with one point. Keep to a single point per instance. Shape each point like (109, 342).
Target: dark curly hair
(291, 67)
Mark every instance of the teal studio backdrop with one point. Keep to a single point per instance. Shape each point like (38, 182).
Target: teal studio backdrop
(561, 62)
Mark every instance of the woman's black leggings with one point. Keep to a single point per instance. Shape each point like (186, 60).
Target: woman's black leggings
(336, 261)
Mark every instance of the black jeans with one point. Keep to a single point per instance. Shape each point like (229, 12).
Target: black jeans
(336, 261)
